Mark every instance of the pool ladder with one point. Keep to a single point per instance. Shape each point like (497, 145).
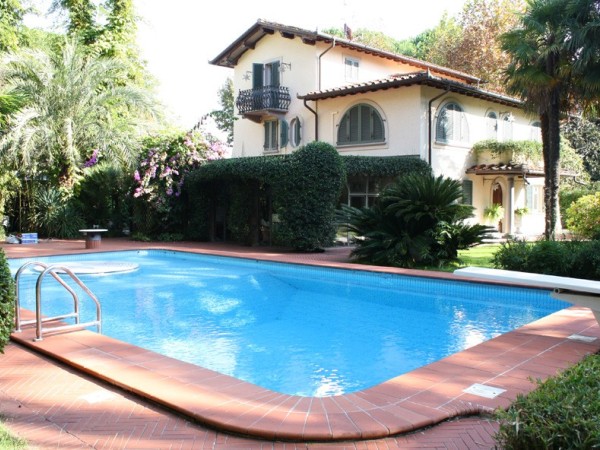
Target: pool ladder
(39, 320)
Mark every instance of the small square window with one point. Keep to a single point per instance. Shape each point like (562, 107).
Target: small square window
(351, 68)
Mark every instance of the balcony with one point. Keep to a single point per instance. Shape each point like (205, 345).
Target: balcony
(255, 103)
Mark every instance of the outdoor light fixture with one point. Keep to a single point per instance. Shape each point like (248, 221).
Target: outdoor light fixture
(285, 66)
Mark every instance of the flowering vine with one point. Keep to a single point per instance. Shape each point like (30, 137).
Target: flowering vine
(161, 172)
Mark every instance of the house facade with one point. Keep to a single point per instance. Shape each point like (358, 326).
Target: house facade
(294, 86)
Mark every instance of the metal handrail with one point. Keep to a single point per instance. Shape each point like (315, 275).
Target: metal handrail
(39, 320)
(18, 322)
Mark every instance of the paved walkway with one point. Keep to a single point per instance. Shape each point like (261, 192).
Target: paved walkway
(54, 406)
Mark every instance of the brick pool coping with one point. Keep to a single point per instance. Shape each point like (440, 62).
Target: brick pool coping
(420, 398)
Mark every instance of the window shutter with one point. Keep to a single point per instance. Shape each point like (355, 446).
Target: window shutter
(354, 125)
(275, 73)
(467, 192)
(441, 127)
(297, 132)
(257, 76)
(267, 135)
(377, 128)
(283, 133)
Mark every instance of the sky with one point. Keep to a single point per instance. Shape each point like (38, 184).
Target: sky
(177, 38)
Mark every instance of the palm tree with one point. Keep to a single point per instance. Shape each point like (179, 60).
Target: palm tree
(73, 104)
(418, 221)
(552, 69)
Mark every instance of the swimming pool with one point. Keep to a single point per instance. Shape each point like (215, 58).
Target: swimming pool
(296, 329)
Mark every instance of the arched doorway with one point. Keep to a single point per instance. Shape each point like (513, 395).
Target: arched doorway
(497, 196)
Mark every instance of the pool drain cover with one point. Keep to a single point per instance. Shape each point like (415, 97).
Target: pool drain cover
(481, 390)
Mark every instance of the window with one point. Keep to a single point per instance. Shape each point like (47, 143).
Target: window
(491, 125)
(536, 132)
(351, 68)
(534, 198)
(363, 191)
(295, 132)
(507, 127)
(361, 124)
(451, 126)
(265, 75)
(276, 135)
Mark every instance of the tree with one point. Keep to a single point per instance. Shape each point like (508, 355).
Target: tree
(418, 221)
(225, 117)
(73, 105)
(11, 22)
(584, 137)
(551, 66)
(478, 51)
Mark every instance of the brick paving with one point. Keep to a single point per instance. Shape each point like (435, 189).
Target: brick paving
(55, 406)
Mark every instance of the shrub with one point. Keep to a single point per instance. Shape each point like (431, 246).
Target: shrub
(578, 259)
(312, 186)
(583, 216)
(102, 197)
(417, 222)
(55, 215)
(7, 301)
(563, 412)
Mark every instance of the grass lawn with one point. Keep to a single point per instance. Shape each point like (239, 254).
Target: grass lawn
(480, 256)
(8, 441)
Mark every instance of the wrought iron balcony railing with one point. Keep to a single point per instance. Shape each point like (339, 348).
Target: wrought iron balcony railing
(267, 98)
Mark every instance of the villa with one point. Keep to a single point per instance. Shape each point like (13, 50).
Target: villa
(295, 86)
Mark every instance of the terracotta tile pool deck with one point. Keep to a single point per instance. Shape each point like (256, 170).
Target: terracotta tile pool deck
(247, 416)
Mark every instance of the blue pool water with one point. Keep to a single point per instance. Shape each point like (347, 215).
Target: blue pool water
(290, 328)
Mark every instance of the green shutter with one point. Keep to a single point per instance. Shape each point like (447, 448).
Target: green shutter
(467, 192)
(257, 76)
(283, 133)
(267, 135)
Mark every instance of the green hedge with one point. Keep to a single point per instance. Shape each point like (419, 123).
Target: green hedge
(562, 413)
(302, 188)
(7, 301)
(578, 259)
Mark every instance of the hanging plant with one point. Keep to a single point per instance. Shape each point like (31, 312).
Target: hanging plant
(494, 212)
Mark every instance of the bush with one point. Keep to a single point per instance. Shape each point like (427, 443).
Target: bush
(287, 185)
(102, 197)
(578, 259)
(311, 188)
(7, 301)
(55, 215)
(417, 222)
(583, 216)
(562, 413)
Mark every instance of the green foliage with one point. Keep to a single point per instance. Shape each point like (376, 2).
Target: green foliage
(160, 176)
(578, 259)
(584, 137)
(562, 413)
(10, 442)
(569, 194)
(417, 222)
(102, 197)
(519, 152)
(55, 214)
(74, 105)
(583, 216)
(11, 24)
(311, 187)
(225, 117)
(7, 301)
(530, 152)
(494, 212)
(389, 166)
(301, 188)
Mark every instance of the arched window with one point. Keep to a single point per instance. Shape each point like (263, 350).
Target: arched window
(362, 124)
(451, 125)
(491, 125)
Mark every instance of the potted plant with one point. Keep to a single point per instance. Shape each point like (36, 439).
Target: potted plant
(522, 211)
